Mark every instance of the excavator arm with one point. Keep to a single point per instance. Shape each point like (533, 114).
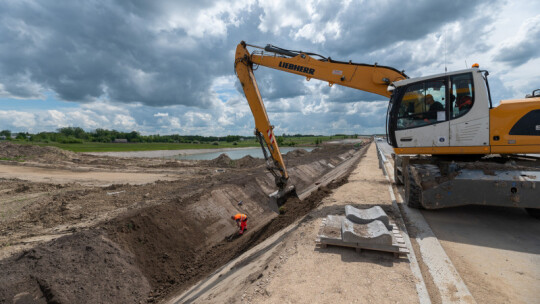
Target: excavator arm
(370, 78)
(264, 131)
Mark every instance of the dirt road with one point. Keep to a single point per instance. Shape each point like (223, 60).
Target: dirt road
(290, 268)
(87, 178)
(496, 250)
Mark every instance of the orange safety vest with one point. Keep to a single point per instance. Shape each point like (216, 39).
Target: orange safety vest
(240, 217)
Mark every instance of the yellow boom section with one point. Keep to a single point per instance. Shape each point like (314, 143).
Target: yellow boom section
(263, 129)
(370, 78)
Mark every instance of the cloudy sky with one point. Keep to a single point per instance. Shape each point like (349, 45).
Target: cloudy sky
(167, 66)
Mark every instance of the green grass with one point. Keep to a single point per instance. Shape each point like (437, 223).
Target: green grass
(307, 141)
(124, 147)
(110, 147)
(18, 159)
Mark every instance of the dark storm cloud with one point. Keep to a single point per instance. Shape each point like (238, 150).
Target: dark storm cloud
(116, 49)
(90, 49)
(372, 26)
(387, 33)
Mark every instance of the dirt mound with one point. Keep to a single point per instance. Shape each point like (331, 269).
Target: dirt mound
(11, 151)
(296, 153)
(84, 267)
(222, 161)
(249, 162)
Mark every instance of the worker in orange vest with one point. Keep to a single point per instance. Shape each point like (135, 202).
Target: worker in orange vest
(241, 221)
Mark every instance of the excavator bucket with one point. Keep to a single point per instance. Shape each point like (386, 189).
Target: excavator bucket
(278, 198)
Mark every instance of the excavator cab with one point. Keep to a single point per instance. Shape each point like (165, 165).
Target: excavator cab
(440, 114)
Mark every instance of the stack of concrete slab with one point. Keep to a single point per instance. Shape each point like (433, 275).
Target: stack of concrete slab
(362, 229)
(365, 216)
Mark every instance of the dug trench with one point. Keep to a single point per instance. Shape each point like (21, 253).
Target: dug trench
(168, 236)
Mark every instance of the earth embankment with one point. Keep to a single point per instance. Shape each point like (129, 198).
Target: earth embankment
(69, 241)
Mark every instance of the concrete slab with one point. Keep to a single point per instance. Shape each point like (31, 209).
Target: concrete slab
(370, 233)
(364, 216)
(331, 228)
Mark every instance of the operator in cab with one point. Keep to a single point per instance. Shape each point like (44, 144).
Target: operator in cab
(434, 107)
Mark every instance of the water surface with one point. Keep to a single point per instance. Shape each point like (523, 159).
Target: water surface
(237, 154)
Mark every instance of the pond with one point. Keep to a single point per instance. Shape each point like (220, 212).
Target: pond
(237, 153)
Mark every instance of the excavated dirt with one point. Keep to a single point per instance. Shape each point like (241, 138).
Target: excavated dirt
(70, 242)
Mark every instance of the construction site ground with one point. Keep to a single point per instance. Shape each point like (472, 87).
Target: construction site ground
(80, 228)
(290, 268)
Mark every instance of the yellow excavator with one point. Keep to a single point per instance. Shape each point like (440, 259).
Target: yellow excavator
(452, 146)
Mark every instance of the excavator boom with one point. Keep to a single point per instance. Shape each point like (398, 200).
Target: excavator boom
(263, 129)
(369, 78)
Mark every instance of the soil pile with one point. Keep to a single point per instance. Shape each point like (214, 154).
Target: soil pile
(11, 151)
(297, 153)
(222, 161)
(249, 162)
(82, 268)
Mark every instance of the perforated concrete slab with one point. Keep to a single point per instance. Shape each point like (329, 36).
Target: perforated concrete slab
(370, 233)
(365, 216)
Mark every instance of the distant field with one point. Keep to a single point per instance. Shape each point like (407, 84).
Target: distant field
(110, 147)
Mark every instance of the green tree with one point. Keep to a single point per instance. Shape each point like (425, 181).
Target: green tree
(6, 133)
(22, 135)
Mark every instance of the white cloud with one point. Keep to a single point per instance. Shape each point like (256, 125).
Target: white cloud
(281, 14)
(523, 46)
(199, 22)
(18, 119)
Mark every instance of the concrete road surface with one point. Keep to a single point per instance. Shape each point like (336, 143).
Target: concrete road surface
(496, 250)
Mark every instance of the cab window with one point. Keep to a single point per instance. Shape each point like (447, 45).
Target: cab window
(462, 97)
(422, 104)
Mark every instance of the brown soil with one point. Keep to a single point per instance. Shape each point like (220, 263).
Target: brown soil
(73, 269)
(224, 161)
(68, 242)
(289, 268)
(13, 151)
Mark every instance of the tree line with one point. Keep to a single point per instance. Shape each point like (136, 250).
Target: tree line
(71, 135)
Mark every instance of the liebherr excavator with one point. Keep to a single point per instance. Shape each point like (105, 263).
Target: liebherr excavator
(451, 145)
